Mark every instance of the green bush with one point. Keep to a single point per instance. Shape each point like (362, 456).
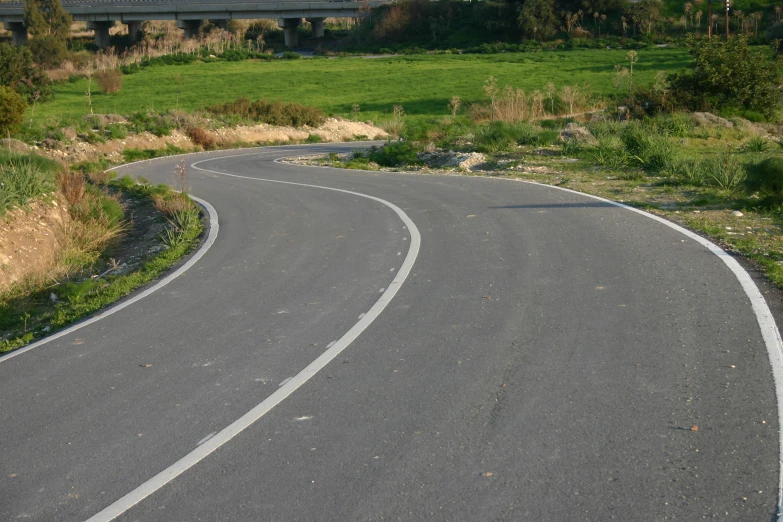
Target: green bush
(19, 72)
(314, 138)
(650, 151)
(12, 109)
(766, 177)
(48, 51)
(548, 137)
(728, 75)
(395, 154)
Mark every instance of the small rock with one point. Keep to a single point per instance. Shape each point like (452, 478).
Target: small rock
(737, 213)
(53, 297)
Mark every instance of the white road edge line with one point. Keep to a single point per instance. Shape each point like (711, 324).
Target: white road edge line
(764, 317)
(201, 452)
(211, 237)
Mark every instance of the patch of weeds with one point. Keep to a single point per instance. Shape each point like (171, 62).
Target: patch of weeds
(756, 144)
(725, 171)
(395, 154)
(130, 155)
(26, 317)
(22, 180)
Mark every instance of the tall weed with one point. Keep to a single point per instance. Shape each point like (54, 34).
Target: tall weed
(21, 182)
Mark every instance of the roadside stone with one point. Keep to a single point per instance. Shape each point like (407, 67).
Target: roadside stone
(14, 145)
(707, 119)
(737, 213)
(576, 132)
(53, 144)
(451, 159)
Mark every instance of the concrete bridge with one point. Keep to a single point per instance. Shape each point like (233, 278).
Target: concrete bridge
(101, 15)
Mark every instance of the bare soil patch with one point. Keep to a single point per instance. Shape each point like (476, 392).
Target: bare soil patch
(28, 240)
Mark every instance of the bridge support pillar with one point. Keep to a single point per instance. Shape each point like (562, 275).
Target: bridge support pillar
(190, 27)
(18, 30)
(101, 32)
(318, 27)
(134, 28)
(289, 27)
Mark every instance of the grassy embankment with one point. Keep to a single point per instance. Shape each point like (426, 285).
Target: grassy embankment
(82, 278)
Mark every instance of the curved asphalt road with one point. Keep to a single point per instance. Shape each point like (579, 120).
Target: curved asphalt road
(545, 360)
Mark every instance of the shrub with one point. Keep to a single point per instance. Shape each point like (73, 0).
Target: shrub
(19, 72)
(766, 177)
(548, 137)
(649, 150)
(109, 81)
(395, 155)
(290, 55)
(728, 74)
(48, 51)
(202, 138)
(12, 109)
(314, 138)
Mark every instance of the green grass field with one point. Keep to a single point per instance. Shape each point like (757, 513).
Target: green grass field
(422, 84)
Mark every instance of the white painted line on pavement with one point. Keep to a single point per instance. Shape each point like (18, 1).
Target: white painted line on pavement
(764, 317)
(211, 237)
(287, 387)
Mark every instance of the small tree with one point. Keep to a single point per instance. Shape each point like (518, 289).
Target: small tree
(537, 19)
(728, 74)
(12, 108)
(47, 18)
(18, 72)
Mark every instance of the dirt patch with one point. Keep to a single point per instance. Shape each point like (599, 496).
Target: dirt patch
(28, 240)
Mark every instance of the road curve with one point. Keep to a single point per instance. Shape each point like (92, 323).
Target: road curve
(546, 359)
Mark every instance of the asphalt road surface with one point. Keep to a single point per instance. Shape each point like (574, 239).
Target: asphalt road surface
(546, 358)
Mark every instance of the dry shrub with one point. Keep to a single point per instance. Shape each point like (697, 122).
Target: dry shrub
(63, 72)
(172, 202)
(72, 187)
(202, 138)
(81, 242)
(109, 81)
(396, 124)
(480, 113)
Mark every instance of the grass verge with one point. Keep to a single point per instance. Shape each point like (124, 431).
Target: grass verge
(29, 313)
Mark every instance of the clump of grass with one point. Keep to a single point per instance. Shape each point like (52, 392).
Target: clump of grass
(396, 124)
(725, 171)
(21, 181)
(649, 151)
(756, 144)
